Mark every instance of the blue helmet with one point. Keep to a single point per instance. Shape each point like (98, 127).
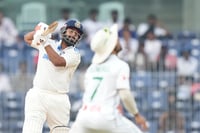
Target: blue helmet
(71, 24)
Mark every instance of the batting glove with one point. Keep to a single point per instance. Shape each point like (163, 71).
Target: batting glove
(38, 39)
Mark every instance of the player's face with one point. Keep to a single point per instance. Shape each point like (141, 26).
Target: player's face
(73, 34)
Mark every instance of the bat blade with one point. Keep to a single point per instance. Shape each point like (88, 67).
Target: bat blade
(51, 28)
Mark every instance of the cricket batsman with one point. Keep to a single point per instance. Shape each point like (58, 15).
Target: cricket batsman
(48, 101)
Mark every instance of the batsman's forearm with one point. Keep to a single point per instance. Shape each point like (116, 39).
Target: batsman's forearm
(128, 101)
(28, 37)
(56, 59)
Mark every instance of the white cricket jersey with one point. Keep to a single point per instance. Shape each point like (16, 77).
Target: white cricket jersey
(102, 82)
(52, 78)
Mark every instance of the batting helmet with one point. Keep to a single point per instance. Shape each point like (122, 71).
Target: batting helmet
(71, 24)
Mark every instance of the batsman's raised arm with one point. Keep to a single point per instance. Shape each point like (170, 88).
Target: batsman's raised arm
(32, 38)
(54, 57)
(28, 37)
(35, 39)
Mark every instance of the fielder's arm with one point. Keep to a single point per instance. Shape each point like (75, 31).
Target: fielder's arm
(129, 102)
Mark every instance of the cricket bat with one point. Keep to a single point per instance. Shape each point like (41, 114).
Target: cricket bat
(51, 28)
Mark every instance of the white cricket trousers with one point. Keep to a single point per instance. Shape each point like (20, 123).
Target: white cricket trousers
(41, 106)
(95, 122)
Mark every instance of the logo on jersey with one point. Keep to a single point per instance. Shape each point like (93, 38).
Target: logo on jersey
(124, 77)
(45, 56)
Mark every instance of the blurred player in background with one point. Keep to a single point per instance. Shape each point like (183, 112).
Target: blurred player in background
(91, 24)
(8, 30)
(106, 82)
(154, 26)
(47, 100)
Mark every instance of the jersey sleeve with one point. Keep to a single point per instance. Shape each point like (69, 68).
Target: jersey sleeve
(72, 58)
(123, 79)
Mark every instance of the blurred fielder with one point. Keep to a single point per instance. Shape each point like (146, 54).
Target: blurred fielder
(48, 99)
(106, 82)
